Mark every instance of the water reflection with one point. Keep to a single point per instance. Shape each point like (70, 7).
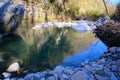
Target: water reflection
(41, 49)
(12, 48)
(92, 53)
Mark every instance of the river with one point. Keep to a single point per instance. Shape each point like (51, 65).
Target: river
(38, 50)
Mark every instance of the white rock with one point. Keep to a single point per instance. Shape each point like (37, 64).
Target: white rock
(14, 67)
(59, 69)
(6, 75)
(80, 75)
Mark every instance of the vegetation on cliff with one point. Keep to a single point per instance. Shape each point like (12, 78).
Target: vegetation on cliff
(51, 10)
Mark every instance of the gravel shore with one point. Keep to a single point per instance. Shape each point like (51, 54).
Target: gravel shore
(106, 68)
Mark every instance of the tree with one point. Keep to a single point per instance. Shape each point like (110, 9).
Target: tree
(106, 7)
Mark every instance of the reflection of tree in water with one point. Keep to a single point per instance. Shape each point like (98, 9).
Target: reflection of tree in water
(11, 49)
(50, 53)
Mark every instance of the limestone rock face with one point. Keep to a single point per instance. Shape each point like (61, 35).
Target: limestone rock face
(10, 16)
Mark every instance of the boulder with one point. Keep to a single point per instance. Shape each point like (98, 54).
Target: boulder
(10, 16)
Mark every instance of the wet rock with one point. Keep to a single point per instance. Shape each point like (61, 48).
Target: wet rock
(80, 75)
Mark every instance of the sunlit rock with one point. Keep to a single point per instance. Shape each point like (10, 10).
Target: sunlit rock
(10, 16)
(14, 67)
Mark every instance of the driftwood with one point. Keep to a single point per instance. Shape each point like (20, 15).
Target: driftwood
(109, 33)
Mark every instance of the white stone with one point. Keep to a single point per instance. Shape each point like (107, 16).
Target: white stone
(6, 75)
(59, 69)
(14, 67)
(80, 75)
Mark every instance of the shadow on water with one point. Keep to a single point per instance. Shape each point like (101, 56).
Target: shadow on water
(12, 48)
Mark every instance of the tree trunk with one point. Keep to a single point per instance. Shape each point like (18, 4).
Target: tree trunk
(106, 7)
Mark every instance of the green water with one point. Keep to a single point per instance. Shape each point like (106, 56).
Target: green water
(38, 50)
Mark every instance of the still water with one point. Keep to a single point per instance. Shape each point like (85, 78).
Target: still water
(43, 49)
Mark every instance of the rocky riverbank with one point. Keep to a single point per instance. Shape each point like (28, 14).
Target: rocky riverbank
(106, 68)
